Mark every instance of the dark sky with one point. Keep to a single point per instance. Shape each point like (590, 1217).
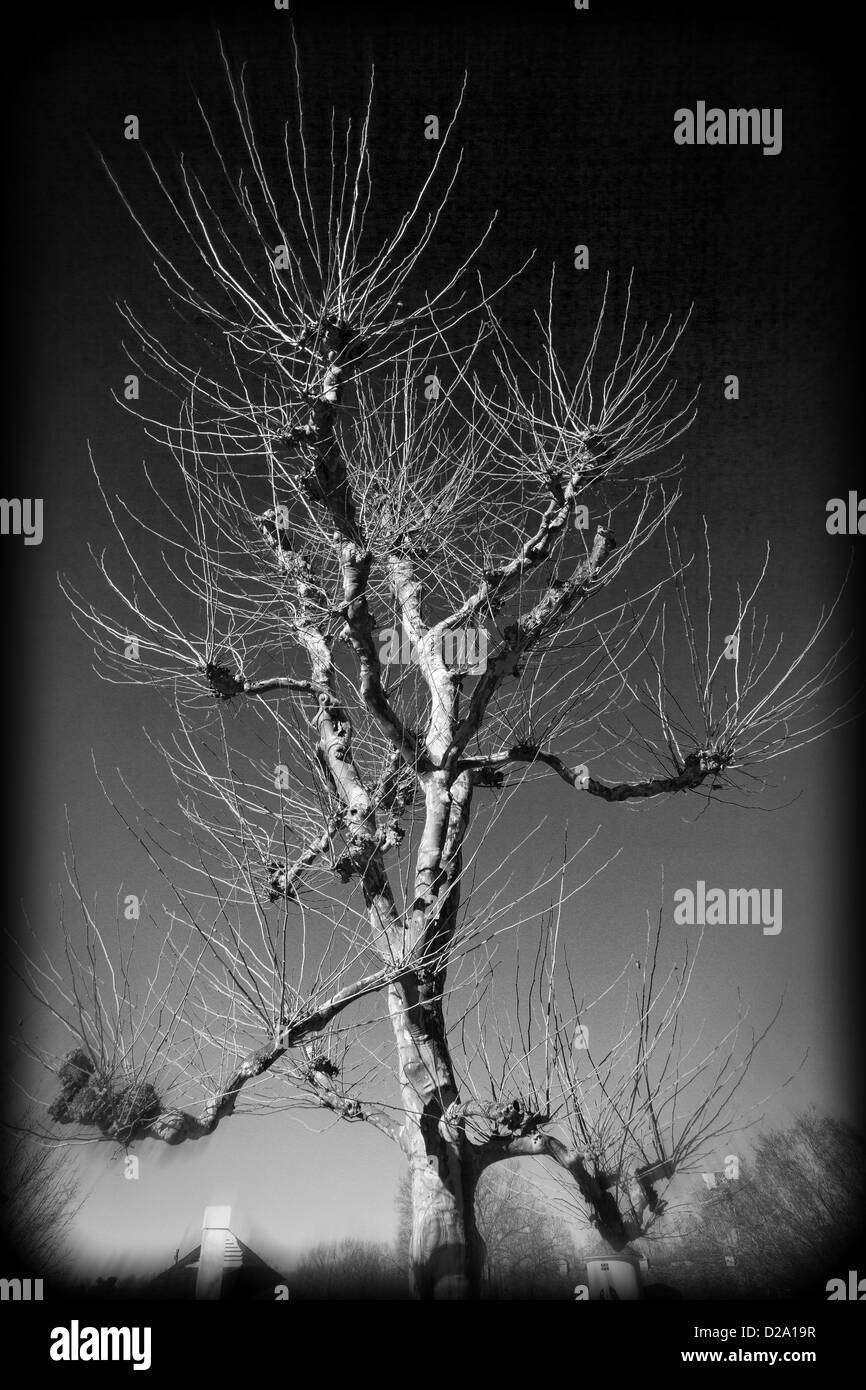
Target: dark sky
(568, 132)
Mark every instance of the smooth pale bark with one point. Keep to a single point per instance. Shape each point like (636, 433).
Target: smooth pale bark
(440, 1260)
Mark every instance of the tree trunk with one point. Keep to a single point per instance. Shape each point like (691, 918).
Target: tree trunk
(439, 1253)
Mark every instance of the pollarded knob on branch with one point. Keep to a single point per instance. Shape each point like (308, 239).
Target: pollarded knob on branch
(223, 681)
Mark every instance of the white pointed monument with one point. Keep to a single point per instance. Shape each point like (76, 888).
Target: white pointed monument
(222, 1266)
(219, 1251)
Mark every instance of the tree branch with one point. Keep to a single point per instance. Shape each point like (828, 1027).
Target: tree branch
(359, 630)
(559, 599)
(698, 766)
(172, 1126)
(496, 584)
(302, 687)
(604, 1212)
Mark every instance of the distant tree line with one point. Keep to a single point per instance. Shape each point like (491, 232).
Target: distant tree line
(791, 1220)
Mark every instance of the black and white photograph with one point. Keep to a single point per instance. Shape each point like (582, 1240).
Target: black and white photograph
(434, 734)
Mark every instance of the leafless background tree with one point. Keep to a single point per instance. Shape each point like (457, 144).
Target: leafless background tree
(781, 1227)
(40, 1194)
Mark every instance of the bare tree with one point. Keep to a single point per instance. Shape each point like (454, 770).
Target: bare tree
(368, 461)
(527, 1247)
(650, 1102)
(39, 1197)
(349, 1268)
(783, 1226)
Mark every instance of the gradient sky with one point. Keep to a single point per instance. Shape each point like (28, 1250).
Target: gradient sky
(567, 130)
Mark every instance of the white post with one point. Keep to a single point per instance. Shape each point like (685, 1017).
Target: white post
(614, 1276)
(211, 1262)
